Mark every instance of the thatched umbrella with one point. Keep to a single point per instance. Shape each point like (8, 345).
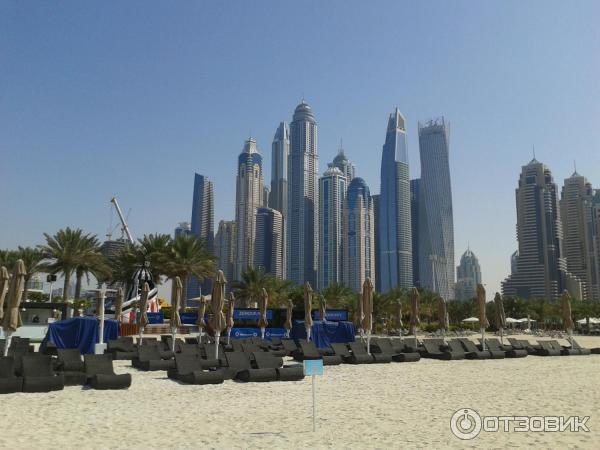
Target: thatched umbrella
(367, 299)
(414, 312)
(360, 315)
(217, 303)
(3, 288)
(500, 316)
(12, 318)
(442, 312)
(323, 308)
(119, 305)
(263, 302)
(175, 305)
(308, 292)
(399, 316)
(143, 309)
(288, 318)
(565, 309)
(481, 314)
(200, 322)
(229, 318)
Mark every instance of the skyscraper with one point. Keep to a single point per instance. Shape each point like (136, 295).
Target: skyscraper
(343, 163)
(303, 198)
(269, 252)
(203, 205)
(225, 242)
(280, 150)
(468, 276)
(332, 194)
(540, 264)
(576, 208)
(182, 228)
(375, 200)
(359, 236)
(394, 232)
(249, 197)
(436, 225)
(414, 221)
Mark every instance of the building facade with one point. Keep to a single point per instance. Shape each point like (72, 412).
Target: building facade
(359, 236)
(182, 228)
(280, 150)
(343, 163)
(394, 222)
(225, 242)
(303, 198)
(332, 195)
(269, 252)
(202, 226)
(414, 227)
(468, 276)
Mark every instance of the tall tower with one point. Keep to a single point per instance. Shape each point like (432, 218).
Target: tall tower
(280, 150)
(394, 232)
(468, 276)
(576, 208)
(343, 163)
(436, 225)
(540, 270)
(249, 197)
(203, 207)
(225, 241)
(303, 198)
(414, 228)
(359, 236)
(268, 243)
(332, 194)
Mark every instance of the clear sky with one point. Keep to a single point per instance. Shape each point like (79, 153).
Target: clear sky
(130, 98)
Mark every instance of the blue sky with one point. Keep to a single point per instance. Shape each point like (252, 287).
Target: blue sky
(130, 98)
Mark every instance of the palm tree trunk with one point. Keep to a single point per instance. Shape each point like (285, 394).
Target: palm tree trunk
(79, 276)
(184, 283)
(66, 293)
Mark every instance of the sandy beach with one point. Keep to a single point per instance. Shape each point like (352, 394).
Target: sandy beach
(366, 406)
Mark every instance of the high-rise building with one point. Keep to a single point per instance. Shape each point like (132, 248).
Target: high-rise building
(183, 228)
(269, 252)
(249, 197)
(596, 229)
(280, 150)
(343, 163)
(414, 221)
(436, 225)
(576, 208)
(203, 206)
(375, 201)
(541, 269)
(468, 276)
(359, 235)
(225, 241)
(266, 196)
(394, 224)
(332, 194)
(303, 198)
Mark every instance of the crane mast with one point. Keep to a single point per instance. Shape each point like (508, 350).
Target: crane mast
(123, 223)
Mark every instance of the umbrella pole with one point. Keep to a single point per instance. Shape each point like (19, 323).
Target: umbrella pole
(501, 336)
(217, 337)
(570, 333)
(414, 332)
(7, 339)
(173, 331)
(228, 336)
(308, 333)
(369, 342)
(262, 332)
(141, 335)
(483, 339)
(199, 335)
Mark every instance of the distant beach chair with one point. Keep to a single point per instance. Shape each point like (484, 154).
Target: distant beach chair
(437, 349)
(71, 366)
(190, 369)
(150, 358)
(289, 345)
(39, 376)
(239, 368)
(101, 375)
(308, 350)
(9, 381)
(548, 348)
(343, 352)
(508, 350)
(358, 348)
(384, 346)
(266, 360)
(122, 348)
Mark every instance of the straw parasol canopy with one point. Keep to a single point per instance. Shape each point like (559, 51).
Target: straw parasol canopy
(119, 305)
(201, 311)
(322, 307)
(230, 310)
(565, 310)
(263, 302)
(500, 316)
(414, 308)
(360, 315)
(308, 305)
(483, 322)
(217, 302)
(398, 313)
(288, 317)
(3, 287)
(12, 319)
(442, 312)
(367, 299)
(144, 305)
(175, 321)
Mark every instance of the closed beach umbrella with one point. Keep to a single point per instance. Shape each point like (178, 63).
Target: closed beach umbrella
(200, 322)
(500, 316)
(12, 318)
(367, 298)
(414, 312)
(483, 322)
(441, 304)
(322, 307)
(565, 309)
(288, 317)
(143, 309)
(175, 321)
(308, 309)
(399, 316)
(3, 288)
(229, 318)
(119, 305)
(263, 302)
(217, 302)
(360, 315)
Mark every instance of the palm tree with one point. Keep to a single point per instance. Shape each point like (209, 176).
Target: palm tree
(187, 257)
(337, 295)
(90, 261)
(8, 258)
(32, 258)
(156, 249)
(250, 286)
(278, 290)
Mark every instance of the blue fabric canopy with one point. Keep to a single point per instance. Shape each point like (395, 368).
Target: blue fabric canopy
(79, 332)
(323, 333)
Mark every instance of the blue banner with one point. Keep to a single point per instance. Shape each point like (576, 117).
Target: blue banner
(250, 314)
(155, 317)
(188, 318)
(275, 332)
(244, 333)
(335, 315)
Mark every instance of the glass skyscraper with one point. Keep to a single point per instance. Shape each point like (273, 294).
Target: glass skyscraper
(468, 276)
(268, 243)
(203, 206)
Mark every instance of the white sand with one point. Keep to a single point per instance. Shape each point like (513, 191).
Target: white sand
(366, 406)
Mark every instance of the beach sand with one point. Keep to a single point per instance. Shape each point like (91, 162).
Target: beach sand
(366, 406)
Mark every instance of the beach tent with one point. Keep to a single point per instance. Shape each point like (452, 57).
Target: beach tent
(470, 320)
(511, 320)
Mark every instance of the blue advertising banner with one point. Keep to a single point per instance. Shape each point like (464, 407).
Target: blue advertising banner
(156, 317)
(244, 333)
(335, 315)
(250, 314)
(275, 332)
(188, 318)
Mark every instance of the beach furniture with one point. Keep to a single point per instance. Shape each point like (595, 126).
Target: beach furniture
(239, 367)
(520, 344)
(470, 347)
(509, 351)
(250, 347)
(577, 349)
(167, 341)
(547, 348)
(384, 346)
(9, 381)
(436, 349)
(358, 348)
(350, 358)
(209, 353)
(404, 346)
(308, 350)
(573, 350)
(289, 345)
(122, 348)
(101, 375)
(71, 366)
(191, 340)
(150, 358)
(266, 360)
(39, 376)
(190, 369)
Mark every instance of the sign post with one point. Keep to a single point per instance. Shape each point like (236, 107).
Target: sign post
(314, 368)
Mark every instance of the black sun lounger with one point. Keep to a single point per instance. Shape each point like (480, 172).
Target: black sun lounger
(579, 350)
(266, 360)
(521, 344)
(190, 369)
(71, 366)
(574, 350)
(488, 353)
(358, 348)
(435, 349)
(308, 350)
(342, 351)
(38, 375)
(150, 358)
(9, 382)
(239, 368)
(122, 348)
(385, 347)
(289, 346)
(101, 375)
(509, 351)
(547, 348)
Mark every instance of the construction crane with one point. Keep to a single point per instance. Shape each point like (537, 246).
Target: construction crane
(124, 226)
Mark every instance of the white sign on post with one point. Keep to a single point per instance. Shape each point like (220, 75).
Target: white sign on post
(313, 367)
